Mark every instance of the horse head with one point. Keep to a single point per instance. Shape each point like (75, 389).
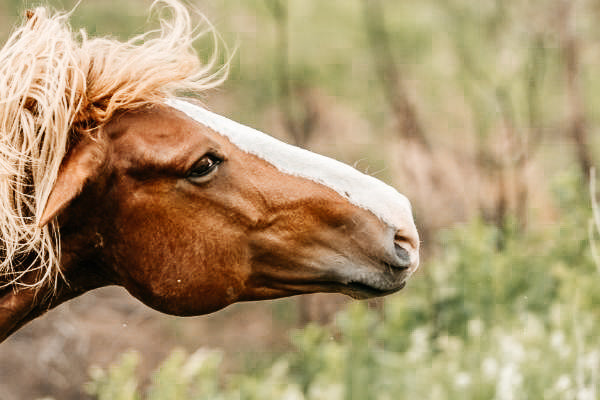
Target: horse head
(191, 212)
(107, 178)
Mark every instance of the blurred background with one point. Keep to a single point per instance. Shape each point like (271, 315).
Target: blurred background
(484, 113)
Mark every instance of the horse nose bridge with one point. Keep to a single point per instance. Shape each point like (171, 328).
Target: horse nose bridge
(400, 236)
(391, 207)
(361, 190)
(384, 226)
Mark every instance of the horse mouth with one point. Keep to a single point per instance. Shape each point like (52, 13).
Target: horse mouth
(360, 282)
(358, 290)
(368, 285)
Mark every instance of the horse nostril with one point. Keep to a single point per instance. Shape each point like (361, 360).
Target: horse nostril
(403, 256)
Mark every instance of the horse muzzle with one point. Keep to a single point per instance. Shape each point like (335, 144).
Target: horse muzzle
(379, 274)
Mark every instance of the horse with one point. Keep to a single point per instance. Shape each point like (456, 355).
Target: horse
(109, 176)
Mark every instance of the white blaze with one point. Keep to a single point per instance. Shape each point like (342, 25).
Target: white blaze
(361, 190)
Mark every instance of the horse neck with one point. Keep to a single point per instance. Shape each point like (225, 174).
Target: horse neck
(19, 305)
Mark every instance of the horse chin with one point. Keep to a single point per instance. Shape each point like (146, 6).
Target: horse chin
(362, 282)
(357, 289)
(360, 291)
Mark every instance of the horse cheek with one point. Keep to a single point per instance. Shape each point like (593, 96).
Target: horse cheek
(183, 267)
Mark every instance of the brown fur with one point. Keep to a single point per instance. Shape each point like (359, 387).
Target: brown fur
(128, 216)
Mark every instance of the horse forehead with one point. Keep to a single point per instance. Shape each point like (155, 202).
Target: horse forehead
(359, 189)
(160, 134)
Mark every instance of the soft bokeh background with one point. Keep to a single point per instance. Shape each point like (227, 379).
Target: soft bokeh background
(484, 113)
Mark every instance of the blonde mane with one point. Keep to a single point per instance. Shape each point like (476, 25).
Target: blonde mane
(56, 85)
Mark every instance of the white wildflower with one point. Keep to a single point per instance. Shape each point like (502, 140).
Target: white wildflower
(489, 366)
(509, 383)
(559, 343)
(202, 358)
(557, 339)
(420, 344)
(292, 392)
(463, 379)
(591, 360)
(323, 391)
(512, 350)
(534, 328)
(475, 327)
(586, 393)
(563, 383)
(449, 344)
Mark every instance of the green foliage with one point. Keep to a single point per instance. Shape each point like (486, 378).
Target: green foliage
(180, 376)
(118, 382)
(187, 377)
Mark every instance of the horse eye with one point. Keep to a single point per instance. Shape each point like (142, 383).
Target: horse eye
(204, 167)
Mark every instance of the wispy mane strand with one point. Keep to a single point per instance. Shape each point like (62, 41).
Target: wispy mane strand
(56, 84)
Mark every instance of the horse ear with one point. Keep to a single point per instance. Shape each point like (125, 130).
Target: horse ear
(82, 164)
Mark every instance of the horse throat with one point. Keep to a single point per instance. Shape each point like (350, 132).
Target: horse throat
(19, 305)
(16, 308)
